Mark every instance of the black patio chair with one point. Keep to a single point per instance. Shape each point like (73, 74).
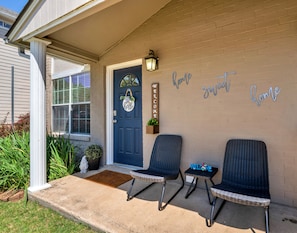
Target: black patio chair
(244, 178)
(164, 166)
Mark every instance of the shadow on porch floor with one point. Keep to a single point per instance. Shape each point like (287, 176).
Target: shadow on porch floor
(105, 208)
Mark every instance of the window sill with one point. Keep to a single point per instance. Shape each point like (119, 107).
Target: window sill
(76, 137)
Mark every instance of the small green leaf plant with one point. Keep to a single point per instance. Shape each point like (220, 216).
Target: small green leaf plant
(153, 121)
(94, 152)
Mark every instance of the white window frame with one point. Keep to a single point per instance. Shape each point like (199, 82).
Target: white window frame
(64, 74)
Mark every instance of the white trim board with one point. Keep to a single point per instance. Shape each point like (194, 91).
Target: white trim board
(109, 104)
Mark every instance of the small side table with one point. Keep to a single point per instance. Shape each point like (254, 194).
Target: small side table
(200, 174)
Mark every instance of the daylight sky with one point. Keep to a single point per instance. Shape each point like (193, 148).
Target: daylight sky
(15, 5)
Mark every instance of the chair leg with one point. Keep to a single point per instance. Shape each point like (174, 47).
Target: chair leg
(162, 197)
(210, 222)
(160, 207)
(266, 208)
(129, 196)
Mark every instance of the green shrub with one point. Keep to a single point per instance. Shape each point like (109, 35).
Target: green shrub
(61, 157)
(57, 168)
(94, 152)
(14, 161)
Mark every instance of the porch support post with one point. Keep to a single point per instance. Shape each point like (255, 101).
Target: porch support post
(38, 171)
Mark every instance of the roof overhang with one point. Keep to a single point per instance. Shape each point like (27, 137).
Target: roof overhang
(86, 30)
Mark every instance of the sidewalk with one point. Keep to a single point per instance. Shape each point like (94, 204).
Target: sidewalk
(105, 208)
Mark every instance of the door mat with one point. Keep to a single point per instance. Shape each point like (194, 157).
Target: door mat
(110, 178)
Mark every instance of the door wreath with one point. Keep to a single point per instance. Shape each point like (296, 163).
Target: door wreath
(128, 101)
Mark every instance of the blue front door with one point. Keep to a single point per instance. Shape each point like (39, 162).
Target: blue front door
(128, 116)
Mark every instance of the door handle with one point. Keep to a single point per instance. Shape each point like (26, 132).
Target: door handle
(114, 121)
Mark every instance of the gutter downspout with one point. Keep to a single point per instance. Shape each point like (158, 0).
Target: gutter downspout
(22, 53)
(12, 96)
(21, 50)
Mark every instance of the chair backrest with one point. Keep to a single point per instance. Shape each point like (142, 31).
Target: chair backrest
(246, 166)
(166, 154)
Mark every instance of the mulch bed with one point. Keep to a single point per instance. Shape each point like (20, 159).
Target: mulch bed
(11, 195)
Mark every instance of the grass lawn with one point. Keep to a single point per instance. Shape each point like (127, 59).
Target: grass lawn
(19, 217)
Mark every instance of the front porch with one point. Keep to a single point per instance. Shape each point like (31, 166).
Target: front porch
(106, 208)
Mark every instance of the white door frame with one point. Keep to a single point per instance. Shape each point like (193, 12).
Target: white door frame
(109, 104)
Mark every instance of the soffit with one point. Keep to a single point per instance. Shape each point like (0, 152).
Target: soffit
(103, 30)
(92, 32)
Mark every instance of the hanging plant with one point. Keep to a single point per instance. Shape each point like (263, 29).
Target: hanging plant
(152, 126)
(153, 121)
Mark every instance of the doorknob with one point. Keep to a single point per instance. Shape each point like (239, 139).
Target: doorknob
(114, 121)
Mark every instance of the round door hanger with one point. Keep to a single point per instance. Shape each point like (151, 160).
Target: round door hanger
(128, 101)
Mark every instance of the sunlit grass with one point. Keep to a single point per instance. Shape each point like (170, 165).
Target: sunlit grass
(19, 217)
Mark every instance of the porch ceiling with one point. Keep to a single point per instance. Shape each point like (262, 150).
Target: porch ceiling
(94, 35)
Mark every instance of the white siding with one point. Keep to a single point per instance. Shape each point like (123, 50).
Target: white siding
(9, 57)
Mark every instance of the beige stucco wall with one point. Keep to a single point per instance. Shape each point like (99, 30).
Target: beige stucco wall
(98, 107)
(254, 44)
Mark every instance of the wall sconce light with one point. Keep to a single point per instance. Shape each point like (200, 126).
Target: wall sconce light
(151, 61)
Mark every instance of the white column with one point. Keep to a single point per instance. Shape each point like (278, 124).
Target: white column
(38, 170)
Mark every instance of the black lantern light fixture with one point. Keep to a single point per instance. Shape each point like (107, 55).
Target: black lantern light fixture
(151, 61)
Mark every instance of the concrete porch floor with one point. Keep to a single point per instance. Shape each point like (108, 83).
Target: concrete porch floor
(105, 208)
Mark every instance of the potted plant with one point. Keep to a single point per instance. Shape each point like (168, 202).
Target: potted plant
(93, 154)
(152, 126)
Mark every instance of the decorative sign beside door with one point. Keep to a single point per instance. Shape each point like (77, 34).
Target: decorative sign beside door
(155, 100)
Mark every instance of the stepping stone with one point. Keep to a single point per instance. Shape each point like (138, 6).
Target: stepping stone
(17, 196)
(5, 196)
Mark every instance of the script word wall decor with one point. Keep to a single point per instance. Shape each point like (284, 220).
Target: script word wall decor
(223, 83)
(258, 99)
(183, 79)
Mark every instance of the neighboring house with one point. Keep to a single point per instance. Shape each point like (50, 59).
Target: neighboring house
(227, 69)
(14, 74)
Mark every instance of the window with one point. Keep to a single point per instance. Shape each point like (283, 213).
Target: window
(71, 104)
(129, 80)
(5, 25)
